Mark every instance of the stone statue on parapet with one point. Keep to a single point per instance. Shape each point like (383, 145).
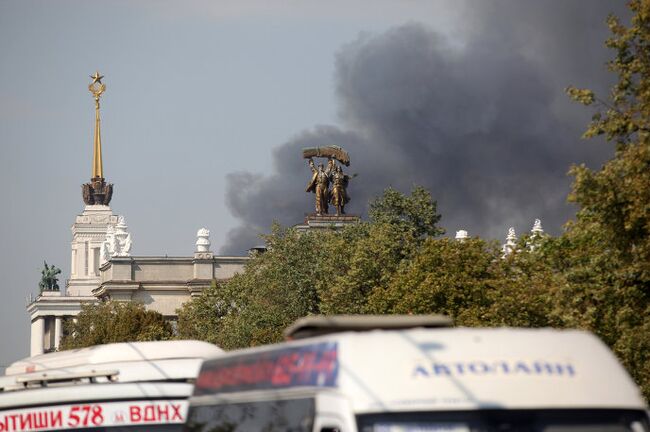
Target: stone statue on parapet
(49, 281)
(322, 177)
(107, 250)
(117, 243)
(122, 238)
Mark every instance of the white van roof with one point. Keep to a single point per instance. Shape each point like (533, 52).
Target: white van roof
(319, 325)
(434, 369)
(115, 352)
(118, 362)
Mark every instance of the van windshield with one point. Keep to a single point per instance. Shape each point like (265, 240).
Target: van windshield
(508, 420)
(294, 415)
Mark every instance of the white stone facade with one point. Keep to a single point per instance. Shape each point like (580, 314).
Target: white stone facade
(88, 235)
(47, 313)
(162, 284)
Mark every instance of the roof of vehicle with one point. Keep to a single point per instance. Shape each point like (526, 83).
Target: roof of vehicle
(319, 325)
(115, 352)
(433, 369)
(119, 362)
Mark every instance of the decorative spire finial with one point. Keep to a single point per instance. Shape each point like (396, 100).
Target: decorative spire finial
(203, 244)
(203, 240)
(97, 88)
(97, 192)
(510, 244)
(536, 235)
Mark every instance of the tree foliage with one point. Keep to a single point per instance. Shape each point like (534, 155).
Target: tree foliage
(607, 248)
(111, 321)
(323, 271)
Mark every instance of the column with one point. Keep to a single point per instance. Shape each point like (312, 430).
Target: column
(73, 263)
(37, 337)
(57, 332)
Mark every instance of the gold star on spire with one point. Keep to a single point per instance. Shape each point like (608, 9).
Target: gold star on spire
(97, 78)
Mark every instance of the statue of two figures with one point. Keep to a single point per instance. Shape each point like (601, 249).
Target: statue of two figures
(117, 243)
(49, 281)
(323, 176)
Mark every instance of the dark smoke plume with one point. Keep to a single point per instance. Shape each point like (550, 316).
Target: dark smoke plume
(484, 125)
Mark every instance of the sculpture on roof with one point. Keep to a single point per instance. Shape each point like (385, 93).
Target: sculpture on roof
(118, 241)
(107, 251)
(49, 281)
(322, 176)
(339, 196)
(122, 238)
(319, 184)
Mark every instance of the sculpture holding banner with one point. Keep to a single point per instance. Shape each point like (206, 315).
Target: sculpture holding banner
(322, 177)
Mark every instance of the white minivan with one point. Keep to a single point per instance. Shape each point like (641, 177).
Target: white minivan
(139, 386)
(418, 374)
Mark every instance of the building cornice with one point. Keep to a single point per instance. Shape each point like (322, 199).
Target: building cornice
(46, 306)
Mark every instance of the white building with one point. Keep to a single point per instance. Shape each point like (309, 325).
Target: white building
(101, 266)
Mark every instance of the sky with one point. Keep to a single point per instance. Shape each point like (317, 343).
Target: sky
(209, 103)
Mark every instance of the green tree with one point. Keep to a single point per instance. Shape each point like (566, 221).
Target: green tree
(472, 283)
(416, 213)
(275, 288)
(444, 276)
(201, 317)
(374, 250)
(607, 248)
(111, 321)
(324, 271)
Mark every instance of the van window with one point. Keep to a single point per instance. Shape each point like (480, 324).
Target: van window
(290, 415)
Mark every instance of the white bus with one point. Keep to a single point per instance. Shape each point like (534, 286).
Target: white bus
(139, 386)
(418, 380)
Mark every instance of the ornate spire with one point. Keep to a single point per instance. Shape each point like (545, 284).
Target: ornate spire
(97, 192)
(97, 88)
(537, 230)
(510, 244)
(536, 235)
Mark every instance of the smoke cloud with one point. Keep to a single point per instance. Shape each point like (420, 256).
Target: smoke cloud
(483, 123)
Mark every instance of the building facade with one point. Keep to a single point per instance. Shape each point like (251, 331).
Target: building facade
(102, 268)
